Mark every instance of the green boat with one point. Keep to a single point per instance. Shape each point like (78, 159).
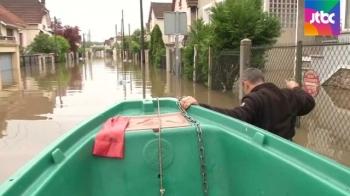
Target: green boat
(202, 153)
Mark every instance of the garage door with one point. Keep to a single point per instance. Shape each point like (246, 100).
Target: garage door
(6, 68)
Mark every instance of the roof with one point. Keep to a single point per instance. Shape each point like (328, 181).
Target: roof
(190, 3)
(31, 11)
(10, 18)
(159, 9)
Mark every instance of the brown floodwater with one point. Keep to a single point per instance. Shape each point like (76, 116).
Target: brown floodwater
(50, 100)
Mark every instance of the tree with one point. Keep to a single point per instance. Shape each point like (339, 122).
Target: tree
(157, 47)
(69, 32)
(136, 36)
(199, 33)
(231, 21)
(134, 46)
(42, 44)
(62, 46)
(234, 20)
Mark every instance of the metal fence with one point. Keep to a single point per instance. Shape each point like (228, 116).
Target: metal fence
(327, 125)
(224, 69)
(29, 60)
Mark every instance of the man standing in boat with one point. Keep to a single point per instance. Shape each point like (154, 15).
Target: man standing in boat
(265, 105)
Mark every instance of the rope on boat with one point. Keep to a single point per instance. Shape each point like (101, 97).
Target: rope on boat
(162, 190)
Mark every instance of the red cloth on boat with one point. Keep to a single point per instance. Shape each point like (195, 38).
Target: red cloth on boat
(109, 141)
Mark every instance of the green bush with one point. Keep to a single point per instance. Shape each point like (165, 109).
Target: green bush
(157, 47)
(199, 34)
(231, 21)
(44, 43)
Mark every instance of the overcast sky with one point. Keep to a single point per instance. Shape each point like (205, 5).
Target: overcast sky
(100, 16)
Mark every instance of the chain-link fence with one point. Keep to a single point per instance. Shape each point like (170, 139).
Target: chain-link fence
(327, 69)
(328, 123)
(224, 69)
(277, 63)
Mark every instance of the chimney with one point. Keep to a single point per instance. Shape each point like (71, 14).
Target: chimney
(43, 2)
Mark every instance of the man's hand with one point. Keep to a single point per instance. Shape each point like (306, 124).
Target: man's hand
(291, 84)
(187, 101)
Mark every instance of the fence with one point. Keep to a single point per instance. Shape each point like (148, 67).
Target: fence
(29, 60)
(329, 63)
(36, 59)
(173, 62)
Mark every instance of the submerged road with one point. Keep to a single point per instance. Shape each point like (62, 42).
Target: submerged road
(54, 100)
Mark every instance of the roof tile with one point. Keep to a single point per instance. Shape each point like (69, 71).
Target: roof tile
(159, 9)
(31, 11)
(10, 18)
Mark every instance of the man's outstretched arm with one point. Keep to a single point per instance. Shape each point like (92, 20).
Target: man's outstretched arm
(244, 112)
(306, 103)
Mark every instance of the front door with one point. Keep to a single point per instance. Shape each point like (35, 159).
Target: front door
(6, 68)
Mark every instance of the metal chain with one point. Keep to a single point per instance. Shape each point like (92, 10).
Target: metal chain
(162, 190)
(201, 147)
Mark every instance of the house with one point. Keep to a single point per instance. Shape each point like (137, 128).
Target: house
(191, 9)
(109, 42)
(156, 16)
(34, 13)
(10, 28)
(116, 39)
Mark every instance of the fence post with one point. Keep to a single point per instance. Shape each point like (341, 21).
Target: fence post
(244, 62)
(298, 70)
(210, 66)
(0, 80)
(299, 62)
(195, 62)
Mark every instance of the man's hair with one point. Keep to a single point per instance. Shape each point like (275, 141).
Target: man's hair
(253, 75)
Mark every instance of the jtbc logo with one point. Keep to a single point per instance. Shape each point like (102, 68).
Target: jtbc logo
(324, 17)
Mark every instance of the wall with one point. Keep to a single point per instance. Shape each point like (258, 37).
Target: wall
(340, 79)
(15, 32)
(153, 21)
(204, 3)
(160, 23)
(45, 23)
(30, 34)
(34, 29)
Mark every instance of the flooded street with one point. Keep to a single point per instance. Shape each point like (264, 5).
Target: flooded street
(55, 99)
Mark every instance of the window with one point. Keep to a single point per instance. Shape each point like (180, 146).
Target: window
(206, 15)
(9, 32)
(180, 3)
(21, 39)
(285, 10)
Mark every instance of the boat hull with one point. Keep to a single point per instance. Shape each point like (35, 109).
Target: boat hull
(240, 160)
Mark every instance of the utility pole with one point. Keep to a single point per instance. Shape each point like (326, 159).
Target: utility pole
(55, 31)
(123, 36)
(129, 53)
(84, 53)
(143, 61)
(116, 42)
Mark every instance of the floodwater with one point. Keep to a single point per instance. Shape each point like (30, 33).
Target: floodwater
(54, 99)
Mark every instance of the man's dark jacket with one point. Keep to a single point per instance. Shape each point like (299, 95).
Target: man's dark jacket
(271, 108)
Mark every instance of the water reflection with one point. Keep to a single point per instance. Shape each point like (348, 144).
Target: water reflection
(55, 98)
